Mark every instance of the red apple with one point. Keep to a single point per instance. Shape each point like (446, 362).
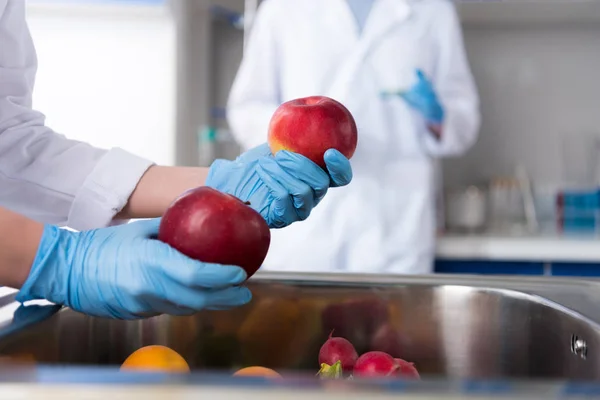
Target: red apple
(312, 125)
(215, 227)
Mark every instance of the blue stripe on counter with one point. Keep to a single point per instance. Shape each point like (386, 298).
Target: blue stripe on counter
(581, 389)
(492, 267)
(487, 387)
(110, 375)
(575, 269)
(489, 267)
(111, 2)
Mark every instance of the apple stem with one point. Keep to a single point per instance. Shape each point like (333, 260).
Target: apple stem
(247, 203)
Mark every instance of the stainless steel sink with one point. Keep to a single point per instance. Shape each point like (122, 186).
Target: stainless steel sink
(457, 327)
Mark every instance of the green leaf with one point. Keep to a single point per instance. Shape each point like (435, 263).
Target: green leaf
(331, 371)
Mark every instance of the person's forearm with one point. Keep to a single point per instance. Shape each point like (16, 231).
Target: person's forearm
(158, 187)
(19, 241)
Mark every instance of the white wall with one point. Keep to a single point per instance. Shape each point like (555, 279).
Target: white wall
(108, 78)
(539, 86)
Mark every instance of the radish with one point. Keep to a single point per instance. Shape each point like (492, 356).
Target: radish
(377, 364)
(407, 369)
(338, 349)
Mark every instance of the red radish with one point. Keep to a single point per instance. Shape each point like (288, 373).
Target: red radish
(407, 369)
(338, 349)
(377, 364)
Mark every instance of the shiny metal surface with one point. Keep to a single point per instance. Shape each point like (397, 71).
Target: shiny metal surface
(456, 327)
(15, 318)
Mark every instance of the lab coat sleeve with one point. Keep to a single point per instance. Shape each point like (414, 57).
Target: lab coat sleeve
(44, 175)
(455, 87)
(254, 95)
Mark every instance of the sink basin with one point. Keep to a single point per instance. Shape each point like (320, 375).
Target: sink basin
(450, 327)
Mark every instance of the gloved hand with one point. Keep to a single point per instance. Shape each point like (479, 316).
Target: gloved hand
(283, 188)
(422, 97)
(123, 272)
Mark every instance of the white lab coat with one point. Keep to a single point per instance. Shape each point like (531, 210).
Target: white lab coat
(384, 221)
(44, 175)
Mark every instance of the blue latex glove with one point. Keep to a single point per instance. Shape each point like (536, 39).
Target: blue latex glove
(422, 97)
(123, 272)
(283, 188)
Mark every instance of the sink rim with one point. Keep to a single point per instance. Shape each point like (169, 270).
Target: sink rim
(545, 290)
(576, 294)
(541, 291)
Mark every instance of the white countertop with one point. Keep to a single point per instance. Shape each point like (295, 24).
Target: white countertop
(544, 248)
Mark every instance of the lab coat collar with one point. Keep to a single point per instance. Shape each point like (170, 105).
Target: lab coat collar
(384, 15)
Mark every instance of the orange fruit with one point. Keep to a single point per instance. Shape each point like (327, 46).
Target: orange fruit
(257, 371)
(17, 359)
(265, 334)
(157, 359)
